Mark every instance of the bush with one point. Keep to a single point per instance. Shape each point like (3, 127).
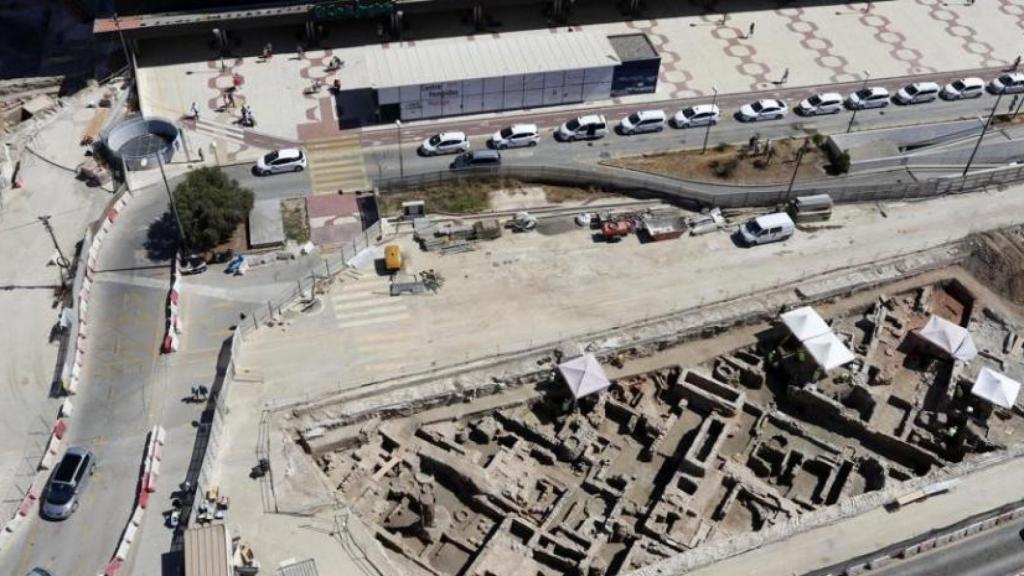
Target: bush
(724, 168)
(722, 147)
(841, 163)
(818, 139)
(210, 206)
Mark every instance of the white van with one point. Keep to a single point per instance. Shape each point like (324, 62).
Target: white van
(917, 93)
(642, 121)
(768, 228)
(590, 127)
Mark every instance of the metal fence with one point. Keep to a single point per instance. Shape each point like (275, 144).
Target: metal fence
(699, 195)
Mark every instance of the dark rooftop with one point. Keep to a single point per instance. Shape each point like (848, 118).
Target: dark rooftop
(633, 47)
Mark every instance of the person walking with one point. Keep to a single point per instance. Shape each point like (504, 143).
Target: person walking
(268, 51)
(785, 76)
(231, 99)
(236, 81)
(1016, 63)
(194, 109)
(299, 52)
(750, 33)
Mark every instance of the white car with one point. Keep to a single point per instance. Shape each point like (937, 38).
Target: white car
(641, 122)
(516, 136)
(286, 160)
(445, 143)
(699, 115)
(762, 110)
(589, 127)
(818, 104)
(972, 87)
(917, 93)
(874, 97)
(1007, 83)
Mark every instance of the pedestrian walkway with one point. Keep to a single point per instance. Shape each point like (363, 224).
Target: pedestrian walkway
(336, 164)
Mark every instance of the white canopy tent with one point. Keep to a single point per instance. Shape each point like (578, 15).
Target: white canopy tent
(950, 338)
(995, 387)
(828, 351)
(805, 323)
(584, 375)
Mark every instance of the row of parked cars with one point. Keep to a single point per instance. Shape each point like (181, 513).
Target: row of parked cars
(594, 126)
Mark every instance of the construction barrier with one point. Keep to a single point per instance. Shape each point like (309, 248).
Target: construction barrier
(147, 485)
(173, 329)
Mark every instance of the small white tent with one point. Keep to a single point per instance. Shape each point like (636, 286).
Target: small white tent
(950, 338)
(805, 323)
(828, 351)
(995, 387)
(584, 375)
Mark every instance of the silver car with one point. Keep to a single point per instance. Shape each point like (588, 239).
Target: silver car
(69, 479)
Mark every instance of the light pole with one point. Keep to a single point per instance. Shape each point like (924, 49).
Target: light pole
(401, 161)
(124, 45)
(981, 136)
(707, 131)
(62, 262)
(799, 158)
(854, 117)
(174, 206)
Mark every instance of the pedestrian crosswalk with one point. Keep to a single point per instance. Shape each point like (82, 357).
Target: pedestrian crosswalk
(336, 164)
(378, 327)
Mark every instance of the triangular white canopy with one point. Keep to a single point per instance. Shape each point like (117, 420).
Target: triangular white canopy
(828, 351)
(805, 323)
(995, 387)
(950, 338)
(584, 375)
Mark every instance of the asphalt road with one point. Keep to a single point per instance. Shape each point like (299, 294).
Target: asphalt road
(998, 552)
(381, 156)
(128, 386)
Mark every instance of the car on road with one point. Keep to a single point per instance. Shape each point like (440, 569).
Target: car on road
(768, 109)
(68, 481)
(699, 115)
(445, 143)
(192, 264)
(873, 97)
(1010, 83)
(516, 136)
(642, 122)
(477, 159)
(818, 104)
(765, 229)
(589, 127)
(285, 160)
(917, 93)
(963, 88)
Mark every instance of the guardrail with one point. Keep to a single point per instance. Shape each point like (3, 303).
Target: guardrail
(698, 195)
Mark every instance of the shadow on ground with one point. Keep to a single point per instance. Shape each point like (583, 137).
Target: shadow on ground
(162, 238)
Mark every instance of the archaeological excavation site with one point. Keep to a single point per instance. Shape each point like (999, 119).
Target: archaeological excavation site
(616, 456)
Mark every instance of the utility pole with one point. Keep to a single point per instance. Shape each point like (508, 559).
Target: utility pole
(174, 207)
(854, 117)
(981, 136)
(124, 45)
(707, 131)
(401, 161)
(799, 158)
(62, 262)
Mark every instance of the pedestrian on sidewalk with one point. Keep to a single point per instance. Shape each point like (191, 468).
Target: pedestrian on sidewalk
(750, 33)
(268, 51)
(236, 81)
(194, 109)
(299, 52)
(1016, 63)
(785, 76)
(231, 99)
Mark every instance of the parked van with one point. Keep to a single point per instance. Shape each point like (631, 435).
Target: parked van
(642, 121)
(768, 228)
(917, 93)
(962, 88)
(1011, 83)
(590, 127)
(392, 258)
(477, 159)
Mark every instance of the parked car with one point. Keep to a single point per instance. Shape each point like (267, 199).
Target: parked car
(68, 481)
(37, 571)
(963, 88)
(589, 127)
(192, 264)
(917, 93)
(445, 143)
(642, 122)
(286, 160)
(1010, 83)
(516, 136)
(818, 104)
(699, 115)
(762, 110)
(873, 97)
(477, 159)
(765, 229)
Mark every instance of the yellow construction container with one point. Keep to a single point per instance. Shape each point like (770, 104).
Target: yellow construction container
(392, 258)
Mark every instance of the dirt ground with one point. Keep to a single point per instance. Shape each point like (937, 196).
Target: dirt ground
(296, 222)
(734, 164)
(475, 196)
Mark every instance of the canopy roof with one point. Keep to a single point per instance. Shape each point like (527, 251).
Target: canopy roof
(584, 375)
(996, 387)
(950, 338)
(828, 350)
(805, 323)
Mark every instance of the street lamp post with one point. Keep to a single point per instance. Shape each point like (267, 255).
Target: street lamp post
(174, 206)
(62, 262)
(799, 158)
(124, 45)
(401, 161)
(707, 131)
(854, 117)
(981, 136)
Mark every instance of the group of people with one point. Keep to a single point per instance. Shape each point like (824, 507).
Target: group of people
(248, 120)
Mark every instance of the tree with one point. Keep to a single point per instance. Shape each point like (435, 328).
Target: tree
(210, 205)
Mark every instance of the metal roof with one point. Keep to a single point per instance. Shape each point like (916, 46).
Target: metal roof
(208, 551)
(303, 568)
(453, 59)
